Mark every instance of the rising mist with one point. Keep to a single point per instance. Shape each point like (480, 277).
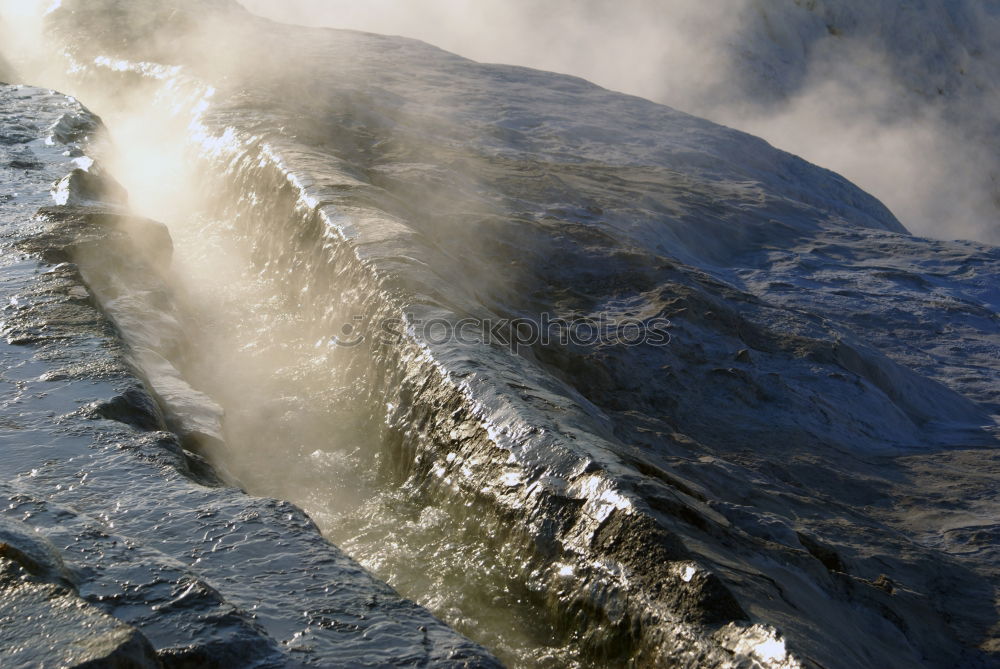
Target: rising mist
(838, 83)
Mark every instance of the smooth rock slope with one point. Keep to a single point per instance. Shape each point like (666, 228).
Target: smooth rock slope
(805, 475)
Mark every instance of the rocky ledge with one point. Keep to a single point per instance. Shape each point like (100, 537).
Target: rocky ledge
(119, 547)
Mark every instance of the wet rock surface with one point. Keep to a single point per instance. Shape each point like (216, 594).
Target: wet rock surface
(118, 547)
(805, 476)
(45, 623)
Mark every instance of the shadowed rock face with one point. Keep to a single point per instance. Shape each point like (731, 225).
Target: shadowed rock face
(118, 547)
(804, 475)
(45, 623)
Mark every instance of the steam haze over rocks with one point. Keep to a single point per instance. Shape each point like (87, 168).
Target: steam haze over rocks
(900, 97)
(216, 454)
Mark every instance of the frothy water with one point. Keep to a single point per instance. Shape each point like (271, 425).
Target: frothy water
(295, 429)
(292, 431)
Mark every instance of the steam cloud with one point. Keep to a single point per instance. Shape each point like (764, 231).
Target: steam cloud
(898, 97)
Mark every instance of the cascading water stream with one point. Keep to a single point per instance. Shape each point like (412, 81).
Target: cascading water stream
(434, 466)
(296, 423)
(292, 432)
(599, 503)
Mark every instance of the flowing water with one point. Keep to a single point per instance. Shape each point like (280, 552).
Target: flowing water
(294, 426)
(585, 505)
(293, 430)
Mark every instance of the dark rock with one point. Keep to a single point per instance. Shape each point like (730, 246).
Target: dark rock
(76, 127)
(653, 556)
(883, 582)
(33, 553)
(82, 187)
(825, 554)
(133, 407)
(23, 160)
(73, 229)
(44, 621)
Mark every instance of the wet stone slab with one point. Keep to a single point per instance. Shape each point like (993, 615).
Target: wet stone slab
(117, 546)
(772, 475)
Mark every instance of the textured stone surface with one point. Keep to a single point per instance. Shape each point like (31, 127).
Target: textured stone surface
(805, 475)
(43, 620)
(136, 540)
